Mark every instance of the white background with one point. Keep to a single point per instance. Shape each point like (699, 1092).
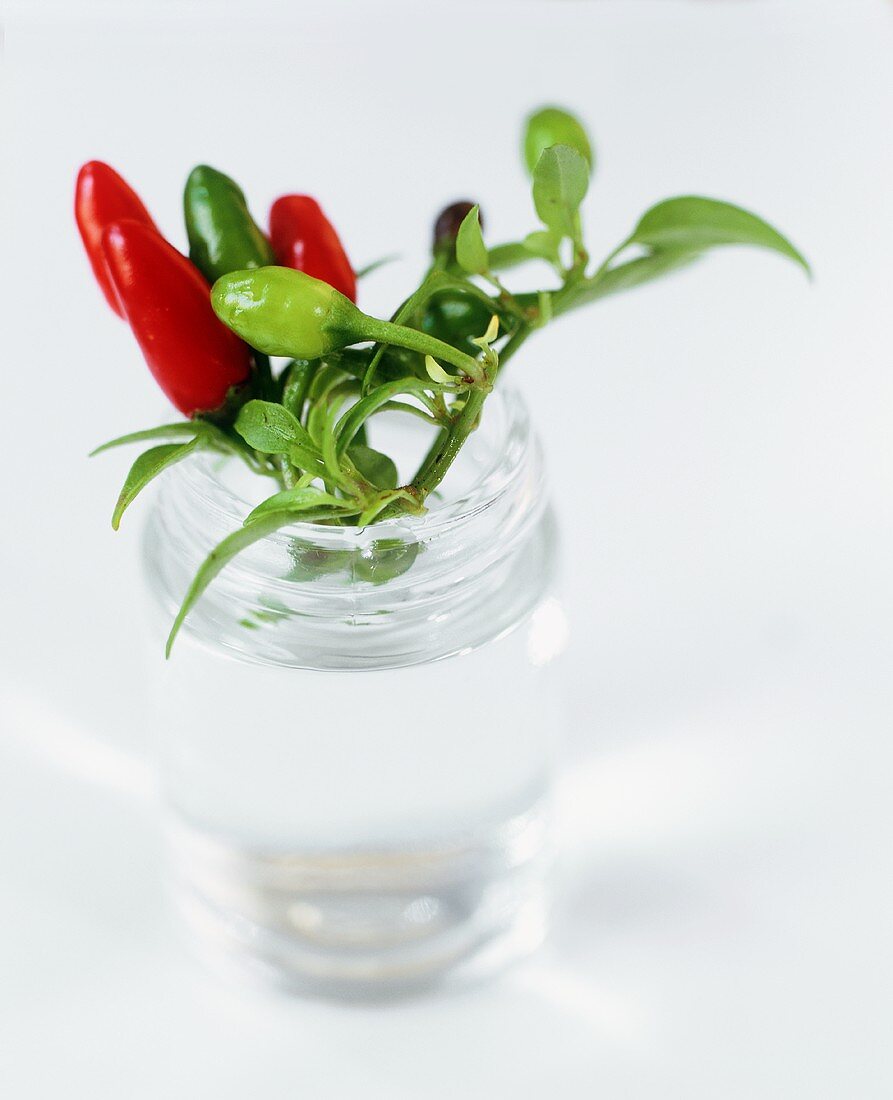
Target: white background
(720, 451)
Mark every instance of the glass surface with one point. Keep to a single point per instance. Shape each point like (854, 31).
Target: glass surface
(357, 771)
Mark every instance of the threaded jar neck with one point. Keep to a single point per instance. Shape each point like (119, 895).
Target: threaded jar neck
(404, 591)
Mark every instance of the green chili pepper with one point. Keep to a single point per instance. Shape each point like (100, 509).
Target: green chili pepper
(223, 236)
(285, 312)
(456, 318)
(552, 126)
(281, 311)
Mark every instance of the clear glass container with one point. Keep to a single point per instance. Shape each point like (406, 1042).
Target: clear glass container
(357, 724)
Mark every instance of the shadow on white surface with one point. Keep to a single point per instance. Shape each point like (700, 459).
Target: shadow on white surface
(36, 728)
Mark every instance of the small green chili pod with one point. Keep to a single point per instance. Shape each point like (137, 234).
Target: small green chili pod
(554, 126)
(223, 236)
(281, 311)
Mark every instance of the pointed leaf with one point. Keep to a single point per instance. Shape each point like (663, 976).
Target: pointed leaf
(187, 429)
(511, 254)
(270, 428)
(695, 224)
(367, 269)
(560, 183)
(373, 465)
(307, 514)
(471, 252)
(634, 273)
(147, 467)
(223, 553)
(307, 458)
(297, 500)
(543, 244)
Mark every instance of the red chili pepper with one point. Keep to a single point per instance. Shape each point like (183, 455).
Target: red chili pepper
(102, 197)
(303, 238)
(194, 357)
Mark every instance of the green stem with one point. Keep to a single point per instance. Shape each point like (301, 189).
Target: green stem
(265, 384)
(384, 332)
(402, 406)
(446, 281)
(433, 451)
(288, 475)
(506, 298)
(449, 442)
(429, 286)
(459, 431)
(349, 425)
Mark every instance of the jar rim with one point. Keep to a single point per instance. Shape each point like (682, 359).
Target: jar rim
(502, 472)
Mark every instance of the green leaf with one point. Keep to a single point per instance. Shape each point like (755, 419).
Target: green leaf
(502, 256)
(220, 556)
(404, 312)
(299, 500)
(373, 465)
(471, 252)
(554, 126)
(323, 514)
(695, 224)
(183, 428)
(543, 244)
(270, 428)
(147, 467)
(362, 272)
(560, 183)
(385, 559)
(634, 273)
(307, 458)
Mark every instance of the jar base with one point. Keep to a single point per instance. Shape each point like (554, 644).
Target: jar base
(365, 924)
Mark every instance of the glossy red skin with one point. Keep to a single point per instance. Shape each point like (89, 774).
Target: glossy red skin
(193, 356)
(303, 238)
(102, 197)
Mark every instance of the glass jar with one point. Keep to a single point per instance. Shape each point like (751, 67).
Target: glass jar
(357, 724)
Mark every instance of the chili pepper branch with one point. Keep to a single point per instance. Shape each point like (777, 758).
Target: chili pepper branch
(290, 290)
